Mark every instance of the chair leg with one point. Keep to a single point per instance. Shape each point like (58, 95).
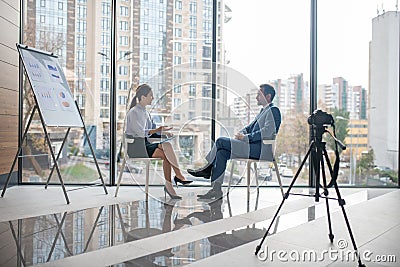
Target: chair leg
(248, 185)
(121, 171)
(256, 173)
(231, 176)
(147, 179)
(278, 176)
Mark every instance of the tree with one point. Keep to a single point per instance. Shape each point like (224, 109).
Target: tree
(367, 161)
(293, 137)
(341, 118)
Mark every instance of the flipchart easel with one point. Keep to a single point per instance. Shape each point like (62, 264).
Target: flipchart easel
(54, 103)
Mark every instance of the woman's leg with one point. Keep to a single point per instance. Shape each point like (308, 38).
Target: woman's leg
(171, 158)
(159, 153)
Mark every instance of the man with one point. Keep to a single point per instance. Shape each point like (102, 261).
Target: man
(246, 144)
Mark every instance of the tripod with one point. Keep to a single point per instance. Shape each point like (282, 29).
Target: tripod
(317, 152)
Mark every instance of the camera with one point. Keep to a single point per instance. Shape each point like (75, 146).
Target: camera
(320, 118)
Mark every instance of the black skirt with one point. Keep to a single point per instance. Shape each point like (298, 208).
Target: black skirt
(151, 147)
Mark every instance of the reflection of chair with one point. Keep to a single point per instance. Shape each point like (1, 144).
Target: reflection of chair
(269, 158)
(135, 149)
(134, 234)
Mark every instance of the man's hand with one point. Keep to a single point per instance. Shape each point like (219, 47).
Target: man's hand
(164, 131)
(239, 136)
(165, 128)
(161, 129)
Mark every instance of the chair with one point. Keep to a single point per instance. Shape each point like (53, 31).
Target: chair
(137, 149)
(254, 161)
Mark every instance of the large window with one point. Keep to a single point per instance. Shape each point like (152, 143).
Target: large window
(274, 37)
(358, 82)
(169, 45)
(88, 74)
(167, 60)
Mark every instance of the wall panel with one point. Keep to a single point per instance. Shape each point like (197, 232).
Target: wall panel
(9, 24)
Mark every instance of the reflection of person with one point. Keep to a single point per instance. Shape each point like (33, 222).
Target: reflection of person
(139, 124)
(141, 233)
(246, 144)
(213, 214)
(225, 240)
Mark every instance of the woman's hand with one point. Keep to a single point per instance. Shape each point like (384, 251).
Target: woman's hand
(165, 128)
(162, 130)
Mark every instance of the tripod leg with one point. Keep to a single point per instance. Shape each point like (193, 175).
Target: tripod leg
(284, 197)
(316, 159)
(353, 241)
(331, 236)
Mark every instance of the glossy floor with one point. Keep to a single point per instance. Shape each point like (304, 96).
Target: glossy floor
(129, 231)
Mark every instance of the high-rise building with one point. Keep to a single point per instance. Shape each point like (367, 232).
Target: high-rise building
(167, 44)
(327, 95)
(342, 87)
(342, 96)
(290, 94)
(384, 89)
(357, 103)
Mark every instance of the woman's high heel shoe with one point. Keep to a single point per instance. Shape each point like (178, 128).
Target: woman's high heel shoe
(170, 195)
(177, 180)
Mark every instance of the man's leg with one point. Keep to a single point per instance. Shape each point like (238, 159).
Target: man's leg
(226, 148)
(217, 175)
(205, 171)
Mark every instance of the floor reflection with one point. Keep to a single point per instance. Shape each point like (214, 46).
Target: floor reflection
(203, 248)
(27, 242)
(55, 236)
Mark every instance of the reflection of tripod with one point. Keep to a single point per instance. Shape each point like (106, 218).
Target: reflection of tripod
(318, 153)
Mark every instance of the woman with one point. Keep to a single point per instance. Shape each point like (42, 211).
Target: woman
(139, 124)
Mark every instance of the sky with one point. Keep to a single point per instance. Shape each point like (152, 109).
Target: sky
(270, 39)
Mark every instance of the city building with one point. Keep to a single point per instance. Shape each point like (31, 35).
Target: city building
(384, 89)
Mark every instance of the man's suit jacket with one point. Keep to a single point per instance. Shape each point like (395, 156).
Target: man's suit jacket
(265, 126)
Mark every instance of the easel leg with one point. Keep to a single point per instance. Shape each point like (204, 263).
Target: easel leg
(63, 236)
(18, 152)
(19, 250)
(54, 159)
(56, 237)
(58, 156)
(94, 226)
(9, 174)
(95, 160)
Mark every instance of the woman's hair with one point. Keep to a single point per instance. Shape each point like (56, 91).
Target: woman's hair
(141, 90)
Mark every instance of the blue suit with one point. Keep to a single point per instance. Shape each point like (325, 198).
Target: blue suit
(265, 126)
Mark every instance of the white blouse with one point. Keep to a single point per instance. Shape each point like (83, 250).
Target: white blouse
(138, 122)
